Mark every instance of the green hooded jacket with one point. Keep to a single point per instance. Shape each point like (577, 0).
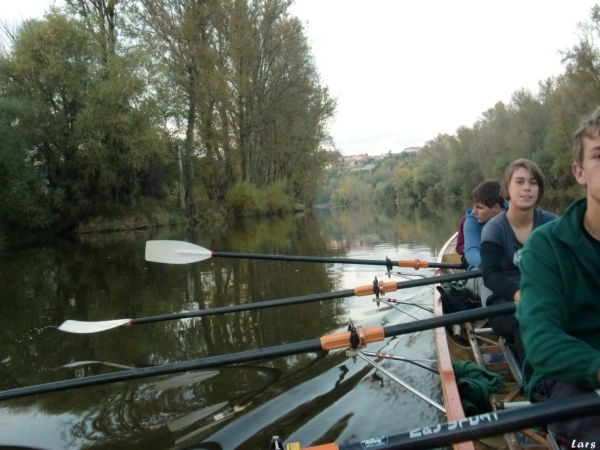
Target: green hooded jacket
(559, 311)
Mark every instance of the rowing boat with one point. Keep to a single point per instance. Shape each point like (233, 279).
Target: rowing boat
(478, 344)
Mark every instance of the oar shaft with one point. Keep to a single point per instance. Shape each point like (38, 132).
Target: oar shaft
(362, 290)
(185, 366)
(316, 259)
(322, 259)
(246, 306)
(483, 425)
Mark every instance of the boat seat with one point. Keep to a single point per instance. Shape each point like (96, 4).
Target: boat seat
(454, 258)
(451, 258)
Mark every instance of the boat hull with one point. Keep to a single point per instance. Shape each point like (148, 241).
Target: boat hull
(452, 402)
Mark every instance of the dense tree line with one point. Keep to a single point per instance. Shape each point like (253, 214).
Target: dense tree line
(109, 102)
(537, 126)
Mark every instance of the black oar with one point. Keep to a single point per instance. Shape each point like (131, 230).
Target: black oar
(475, 427)
(180, 252)
(329, 342)
(76, 326)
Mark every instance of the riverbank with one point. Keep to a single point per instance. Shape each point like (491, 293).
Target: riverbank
(142, 215)
(150, 214)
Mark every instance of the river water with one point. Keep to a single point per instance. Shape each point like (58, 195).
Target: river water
(311, 398)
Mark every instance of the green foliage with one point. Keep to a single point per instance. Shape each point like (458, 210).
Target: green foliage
(41, 89)
(247, 199)
(84, 130)
(352, 191)
(244, 198)
(384, 192)
(404, 179)
(276, 199)
(257, 108)
(24, 199)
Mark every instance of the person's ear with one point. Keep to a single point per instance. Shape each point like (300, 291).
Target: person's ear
(578, 173)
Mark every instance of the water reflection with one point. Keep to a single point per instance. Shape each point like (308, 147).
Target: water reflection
(312, 397)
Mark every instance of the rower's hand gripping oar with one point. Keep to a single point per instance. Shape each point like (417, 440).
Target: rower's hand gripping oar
(180, 252)
(328, 342)
(379, 288)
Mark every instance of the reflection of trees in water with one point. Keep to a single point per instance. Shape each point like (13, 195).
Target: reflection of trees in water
(104, 277)
(130, 413)
(135, 414)
(404, 224)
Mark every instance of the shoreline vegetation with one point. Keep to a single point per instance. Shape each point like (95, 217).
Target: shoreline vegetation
(141, 104)
(119, 126)
(154, 214)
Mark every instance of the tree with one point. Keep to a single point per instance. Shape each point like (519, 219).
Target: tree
(86, 126)
(175, 30)
(99, 17)
(51, 61)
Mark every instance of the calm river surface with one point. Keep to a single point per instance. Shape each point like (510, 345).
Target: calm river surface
(312, 398)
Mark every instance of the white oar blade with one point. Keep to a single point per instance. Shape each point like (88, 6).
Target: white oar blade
(79, 327)
(175, 252)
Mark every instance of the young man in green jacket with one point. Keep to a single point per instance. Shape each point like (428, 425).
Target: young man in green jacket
(559, 311)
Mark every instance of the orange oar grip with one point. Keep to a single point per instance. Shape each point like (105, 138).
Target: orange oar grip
(296, 446)
(342, 340)
(416, 264)
(388, 286)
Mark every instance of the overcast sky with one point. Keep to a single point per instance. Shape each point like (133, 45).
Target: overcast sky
(404, 71)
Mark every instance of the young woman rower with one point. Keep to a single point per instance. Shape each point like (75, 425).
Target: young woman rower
(502, 241)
